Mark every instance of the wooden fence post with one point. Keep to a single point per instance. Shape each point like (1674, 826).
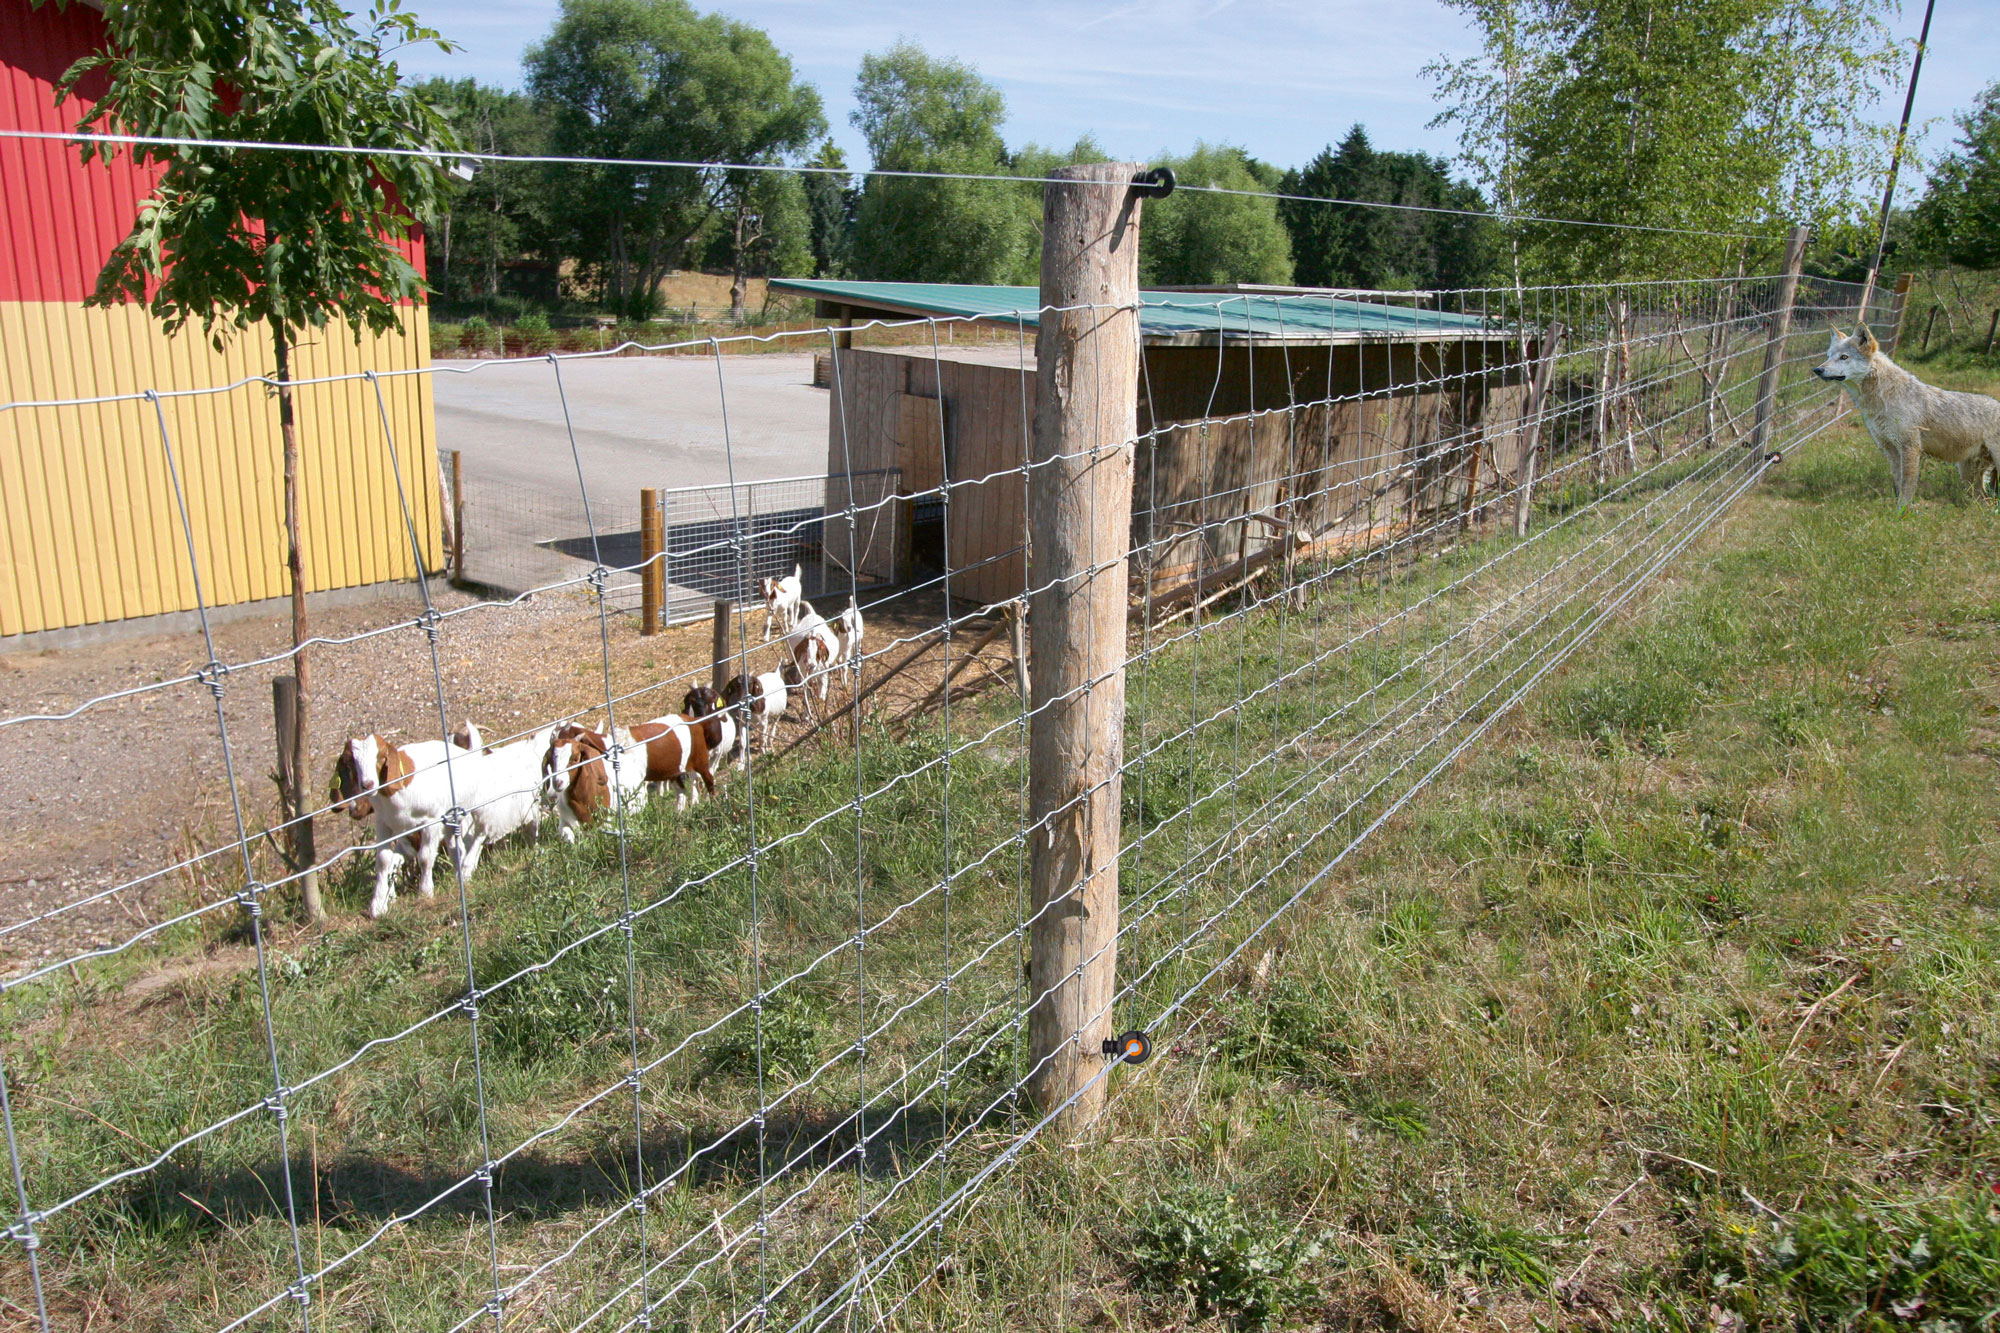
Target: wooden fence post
(1774, 345)
(285, 710)
(652, 565)
(1538, 392)
(1080, 518)
(721, 659)
(457, 517)
(1930, 322)
(1899, 303)
(1992, 327)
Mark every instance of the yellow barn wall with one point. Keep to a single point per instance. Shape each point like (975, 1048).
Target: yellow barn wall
(92, 530)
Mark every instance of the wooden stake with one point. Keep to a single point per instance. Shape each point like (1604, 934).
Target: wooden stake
(722, 661)
(1930, 322)
(1899, 304)
(1538, 389)
(457, 518)
(1080, 517)
(1992, 327)
(652, 557)
(1774, 346)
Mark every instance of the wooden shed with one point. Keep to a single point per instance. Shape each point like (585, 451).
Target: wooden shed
(89, 527)
(1343, 410)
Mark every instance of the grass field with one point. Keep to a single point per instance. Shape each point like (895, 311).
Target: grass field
(1671, 1005)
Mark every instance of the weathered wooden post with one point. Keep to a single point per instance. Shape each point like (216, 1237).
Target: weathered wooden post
(1531, 437)
(1992, 327)
(285, 711)
(652, 561)
(457, 517)
(1080, 516)
(1774, 345)
(1899, 303)
(1930, 322)
(721, 660)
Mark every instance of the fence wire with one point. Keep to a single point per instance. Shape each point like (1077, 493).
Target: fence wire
(746, 1064)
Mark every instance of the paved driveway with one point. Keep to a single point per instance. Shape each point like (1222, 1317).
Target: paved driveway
(639, 421)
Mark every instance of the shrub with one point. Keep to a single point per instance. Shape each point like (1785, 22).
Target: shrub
(1856, 1267)
(475, 335)
(1199, 1244)
(534, 332)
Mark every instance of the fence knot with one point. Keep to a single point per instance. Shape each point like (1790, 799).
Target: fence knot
(454, 819)
(600, 580)
(484, 1175)
(214, 676)
(298, 1292)
(429, 621)
(275, 1104)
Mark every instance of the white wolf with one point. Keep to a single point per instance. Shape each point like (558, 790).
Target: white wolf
(1908, 418)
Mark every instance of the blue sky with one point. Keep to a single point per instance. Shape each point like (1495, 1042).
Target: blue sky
(1280, 77)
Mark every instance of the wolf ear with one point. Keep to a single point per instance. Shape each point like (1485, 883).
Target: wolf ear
(1864, 341)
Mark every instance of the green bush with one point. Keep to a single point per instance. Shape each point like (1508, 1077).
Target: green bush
(476, 335)
(1935, 1269)
(1198, 1244)
(790, 1037)
(534, 332)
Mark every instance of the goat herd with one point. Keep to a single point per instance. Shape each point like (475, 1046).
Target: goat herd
(504, 789)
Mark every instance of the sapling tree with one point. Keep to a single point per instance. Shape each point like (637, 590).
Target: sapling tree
(288, 242)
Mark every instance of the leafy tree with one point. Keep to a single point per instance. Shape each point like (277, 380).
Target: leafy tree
(289, 241)
(921, 113)
(775, 236)
(504, 211)
(654, 79)
(1686, 115)
(1958, 219)
(1194, 238)
(1334, 246)
(830, 202)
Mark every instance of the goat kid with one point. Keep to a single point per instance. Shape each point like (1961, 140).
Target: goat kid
(580, 775)
(675, 751)
(764, 695)
(814, 647)
(704, 709)
(847, 629)
(499, 787)
(782, 599)
(407, 790)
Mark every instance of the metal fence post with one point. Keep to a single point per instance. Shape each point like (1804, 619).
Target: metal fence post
(652, 567)
(1774, 346)
(1080, 515)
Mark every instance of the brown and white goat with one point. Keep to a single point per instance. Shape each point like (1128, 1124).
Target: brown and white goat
(782, 598)
(765, 695)
(580, 774)
(675, 751)
(407, 790)
(704, 709)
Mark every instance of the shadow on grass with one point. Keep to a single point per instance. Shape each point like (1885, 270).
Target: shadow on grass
(362, 1190)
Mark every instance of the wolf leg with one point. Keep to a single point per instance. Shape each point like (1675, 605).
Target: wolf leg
(1913, 457)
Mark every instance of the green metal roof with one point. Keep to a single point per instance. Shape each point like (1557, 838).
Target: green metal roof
(1165, 317)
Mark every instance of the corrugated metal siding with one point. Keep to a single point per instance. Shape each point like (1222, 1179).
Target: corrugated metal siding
(92, 532)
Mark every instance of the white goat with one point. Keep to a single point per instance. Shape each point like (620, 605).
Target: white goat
(499, 788)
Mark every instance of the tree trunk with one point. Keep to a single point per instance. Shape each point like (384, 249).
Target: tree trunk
(295, 797)
(739, 284)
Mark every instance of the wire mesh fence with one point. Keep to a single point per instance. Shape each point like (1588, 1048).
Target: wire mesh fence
(744, 1064)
